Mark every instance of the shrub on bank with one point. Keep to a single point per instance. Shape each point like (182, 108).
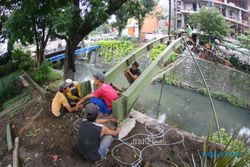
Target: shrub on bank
(225, 138)
(45, 74)
(23, 59)
(114, 49)
(9, 87)
(8, 68)
(156, 51)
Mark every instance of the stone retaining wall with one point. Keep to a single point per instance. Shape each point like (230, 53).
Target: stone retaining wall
(220, 79)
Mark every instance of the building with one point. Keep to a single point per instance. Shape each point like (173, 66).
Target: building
(237, 12)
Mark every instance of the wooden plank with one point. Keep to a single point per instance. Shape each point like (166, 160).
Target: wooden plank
(85, 88)
(9, 137)
(118, 109)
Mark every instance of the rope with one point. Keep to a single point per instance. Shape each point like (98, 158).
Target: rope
(150, 137)
(76, 123)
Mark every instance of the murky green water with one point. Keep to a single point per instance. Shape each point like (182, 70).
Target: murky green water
(189, 110)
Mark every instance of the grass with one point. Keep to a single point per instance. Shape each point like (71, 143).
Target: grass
(53, 86)
(54, 75)
(9, 87)
(236, 101)
(54, 78)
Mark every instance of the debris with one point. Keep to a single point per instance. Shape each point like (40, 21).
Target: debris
(23, 81)
(126, 126)
(54, 157)
(15, 153)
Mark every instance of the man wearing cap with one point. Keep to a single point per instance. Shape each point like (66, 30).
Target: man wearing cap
(60, 104)
(94, 139)
(103, 96)
(75, 90)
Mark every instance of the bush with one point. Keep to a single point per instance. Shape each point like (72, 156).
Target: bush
(9, 87)
(22, 58)
(41, 74)
(172, 57)
(225, 138)
(114, 49)
(46, 74)
(58, 65)
(8, 68)
(156, 51)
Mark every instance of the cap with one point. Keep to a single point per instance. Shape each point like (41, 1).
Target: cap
(63, 85)
(69, 81)
(91, 111)
(100, 76)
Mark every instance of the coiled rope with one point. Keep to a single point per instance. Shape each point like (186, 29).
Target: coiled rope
(151, 139)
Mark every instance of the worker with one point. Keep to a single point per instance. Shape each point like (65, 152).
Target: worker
(189, 31)
(133, 73)
(75, 90)
(94, 139)
(60, 104)
(103, 96)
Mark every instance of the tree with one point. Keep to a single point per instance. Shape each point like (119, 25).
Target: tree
(31, 23)
(211, 22)
(6, 8)
(133, 9)
(123, 14)
(76, 20)
(143, 7)
(245, 39)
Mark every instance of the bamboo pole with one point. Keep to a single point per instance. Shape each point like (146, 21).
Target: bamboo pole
(9, 137)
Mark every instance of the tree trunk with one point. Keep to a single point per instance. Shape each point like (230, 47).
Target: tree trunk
(41, 56)
(69, 60)
(139, 31)
(119, 32)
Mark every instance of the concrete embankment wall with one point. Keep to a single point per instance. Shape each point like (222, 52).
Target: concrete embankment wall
(224, 82)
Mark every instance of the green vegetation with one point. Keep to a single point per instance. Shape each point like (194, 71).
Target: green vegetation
(8, 68)
(171, 79)
(215, 28)
(133, 9)
(9, 87)
(237, 101)
(233, 154)
(22, 58)
(114, 49)
(45, 74)
(245, 39)
(172, 57)
(225, 138)
(156, 51)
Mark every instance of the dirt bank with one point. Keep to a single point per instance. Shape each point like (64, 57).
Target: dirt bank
(47, 141)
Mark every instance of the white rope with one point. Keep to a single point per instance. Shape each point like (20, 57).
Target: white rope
(150, 136)
(76, 124)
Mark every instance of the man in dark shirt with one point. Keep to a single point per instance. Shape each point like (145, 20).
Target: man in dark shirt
(133, 73)
(94, 139)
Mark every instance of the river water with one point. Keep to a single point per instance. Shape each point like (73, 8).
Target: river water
(185, 109)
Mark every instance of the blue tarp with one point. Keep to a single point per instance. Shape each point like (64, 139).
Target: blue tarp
(77, 52)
